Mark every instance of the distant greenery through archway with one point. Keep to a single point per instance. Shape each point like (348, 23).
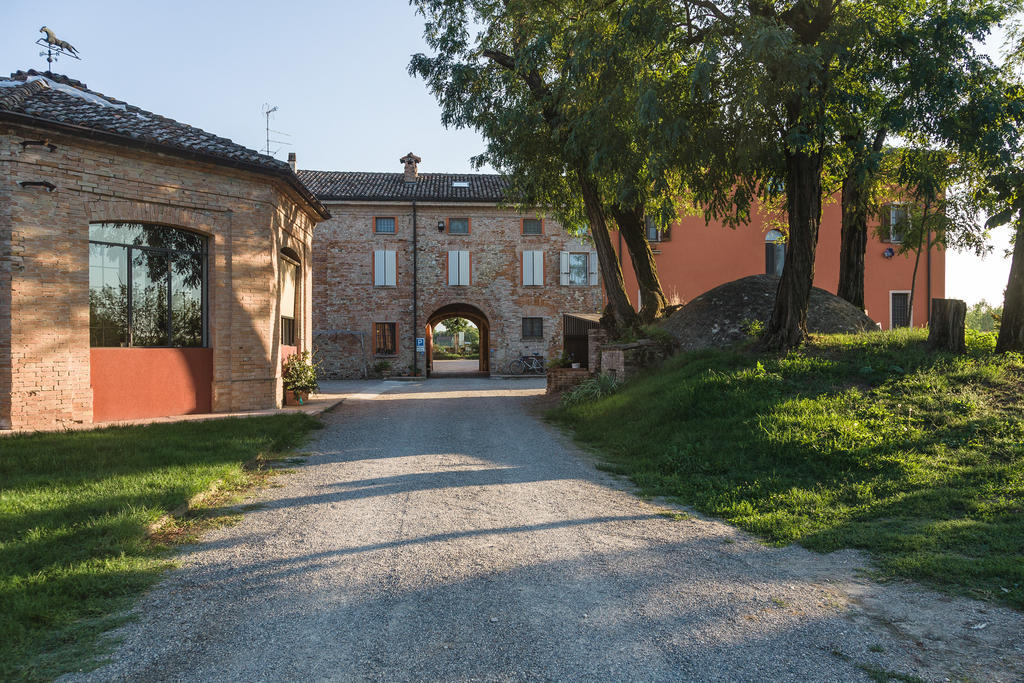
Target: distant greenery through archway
(456, 338)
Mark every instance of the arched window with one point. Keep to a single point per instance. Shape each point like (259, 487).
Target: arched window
(290, 276)
(147, 286)
(774, 252)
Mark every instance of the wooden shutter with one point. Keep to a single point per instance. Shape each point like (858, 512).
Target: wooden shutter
(390, 268)
(463, 267)
(886, 223)
(563, 268)
(592, 263)
(667, 234)
(453, 268)
(533, 267)
(378, 268)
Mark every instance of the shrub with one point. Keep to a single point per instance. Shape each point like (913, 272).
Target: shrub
(980, 343)
(753, 328)
(381, 366)
(658, 334)
(591, 390)
(298, 373)
(561, 361)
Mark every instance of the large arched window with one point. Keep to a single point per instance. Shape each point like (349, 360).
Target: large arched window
(774, 252)
(147, 286)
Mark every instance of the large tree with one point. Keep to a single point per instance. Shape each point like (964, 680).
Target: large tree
(919, 63)
(504, 69)
(571, 99)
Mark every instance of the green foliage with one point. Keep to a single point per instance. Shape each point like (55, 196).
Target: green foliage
(562, 360)
(863, 441)
(980, 343)
(74, 513)
(382, 366)
(752, 328)
(658, 334)
(983, 317)
(299, 373)
(591, 390)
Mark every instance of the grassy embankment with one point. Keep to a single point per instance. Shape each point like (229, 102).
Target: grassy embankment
(76, 511)
(864, 441)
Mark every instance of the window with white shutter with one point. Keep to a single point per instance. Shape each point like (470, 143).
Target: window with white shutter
(577, 268)
(533, 268)
(385, 272)
(458, 268)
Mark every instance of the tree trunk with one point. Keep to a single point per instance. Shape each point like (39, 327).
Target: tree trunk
(913, 278)
(1011, 330)
(787, 327)
(854, 241)
(946, 325)
(619, 315)
(634, 232)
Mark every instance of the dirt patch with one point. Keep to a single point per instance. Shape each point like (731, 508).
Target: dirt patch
(722, 316)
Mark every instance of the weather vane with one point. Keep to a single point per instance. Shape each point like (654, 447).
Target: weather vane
(55, 47)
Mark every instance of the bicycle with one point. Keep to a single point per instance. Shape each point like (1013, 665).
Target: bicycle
(528, 364)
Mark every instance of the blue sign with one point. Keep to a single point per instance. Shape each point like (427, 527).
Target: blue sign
(421, 345)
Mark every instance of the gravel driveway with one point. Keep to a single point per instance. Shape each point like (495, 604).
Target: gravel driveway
(440, 531)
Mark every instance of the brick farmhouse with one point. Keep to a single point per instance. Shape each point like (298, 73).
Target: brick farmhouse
(148, 267)
(405, 251)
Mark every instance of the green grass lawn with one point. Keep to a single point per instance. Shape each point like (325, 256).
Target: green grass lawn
(865, 441)
(75, 512)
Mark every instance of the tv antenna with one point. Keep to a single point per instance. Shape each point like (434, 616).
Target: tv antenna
(267, 111)
(55, 47)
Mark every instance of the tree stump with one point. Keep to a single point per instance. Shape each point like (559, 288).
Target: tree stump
(946, 325)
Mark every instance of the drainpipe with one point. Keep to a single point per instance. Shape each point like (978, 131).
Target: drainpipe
(415, 280)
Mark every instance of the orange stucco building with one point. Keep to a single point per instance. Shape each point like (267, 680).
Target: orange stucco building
(694, 257)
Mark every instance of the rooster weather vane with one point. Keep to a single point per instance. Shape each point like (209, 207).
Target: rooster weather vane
(55, 47)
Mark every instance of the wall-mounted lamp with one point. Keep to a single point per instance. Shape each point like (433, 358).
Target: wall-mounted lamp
(441, 226)
(889, 252)
(49, 187)
(25, 144)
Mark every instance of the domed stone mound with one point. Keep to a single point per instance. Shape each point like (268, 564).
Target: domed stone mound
(720, 317)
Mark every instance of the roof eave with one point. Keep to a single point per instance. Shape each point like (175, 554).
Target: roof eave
(115, 138)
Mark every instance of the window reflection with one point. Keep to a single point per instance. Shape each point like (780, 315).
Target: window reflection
(160, 299)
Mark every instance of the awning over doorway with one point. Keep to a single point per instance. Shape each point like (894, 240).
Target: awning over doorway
(578, 324)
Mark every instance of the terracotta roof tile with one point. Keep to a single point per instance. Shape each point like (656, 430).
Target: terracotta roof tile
(429, 187)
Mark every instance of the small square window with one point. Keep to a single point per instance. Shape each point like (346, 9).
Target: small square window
(533, 328)
(458, 226)
(384, 225)
(533, 226)
(384, 341)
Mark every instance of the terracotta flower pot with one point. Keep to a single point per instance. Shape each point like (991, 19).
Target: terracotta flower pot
(295, 398)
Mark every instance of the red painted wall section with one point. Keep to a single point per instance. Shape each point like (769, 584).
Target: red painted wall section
(287, 351)
(700, 256)
(129, 384)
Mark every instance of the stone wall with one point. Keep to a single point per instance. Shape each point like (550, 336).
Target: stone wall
(346, 302)
(44, 311)
(625, 361)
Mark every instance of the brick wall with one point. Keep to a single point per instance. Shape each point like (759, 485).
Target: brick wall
(345, 298)
(563, 379)
(44, 309)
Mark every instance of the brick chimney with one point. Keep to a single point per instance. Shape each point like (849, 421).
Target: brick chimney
(411, 160)
(291, 160)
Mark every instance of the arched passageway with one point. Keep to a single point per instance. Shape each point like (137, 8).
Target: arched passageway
(473, 315)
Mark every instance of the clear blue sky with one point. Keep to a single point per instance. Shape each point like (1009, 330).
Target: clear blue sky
(336, 70)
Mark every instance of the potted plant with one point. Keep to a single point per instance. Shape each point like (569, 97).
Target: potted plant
(298, 376)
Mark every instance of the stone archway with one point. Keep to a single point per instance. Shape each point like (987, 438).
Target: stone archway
(470, 313)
